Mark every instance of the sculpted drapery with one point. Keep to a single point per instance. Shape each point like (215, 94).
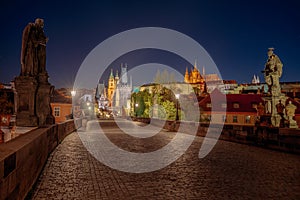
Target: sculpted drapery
(33, 53)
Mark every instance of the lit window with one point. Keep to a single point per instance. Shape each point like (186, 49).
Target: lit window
(234, 119)
(208, 105)
(56, 111)
(247, 119)
(236, 105)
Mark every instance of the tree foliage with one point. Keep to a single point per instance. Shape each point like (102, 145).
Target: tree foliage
(6, 106)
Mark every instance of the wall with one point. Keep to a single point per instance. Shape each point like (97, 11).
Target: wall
(65, 109)
(284, 139)
(22, 159)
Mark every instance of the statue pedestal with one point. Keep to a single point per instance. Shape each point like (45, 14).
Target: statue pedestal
(43, 108)
(33, 101)
(26, 90)
(271, 102)
(293, 123)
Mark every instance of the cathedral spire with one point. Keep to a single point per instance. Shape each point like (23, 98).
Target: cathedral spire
(111, 74)
(195, 65)
(186, 76)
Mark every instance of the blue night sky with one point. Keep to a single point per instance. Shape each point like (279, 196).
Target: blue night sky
(236, 34)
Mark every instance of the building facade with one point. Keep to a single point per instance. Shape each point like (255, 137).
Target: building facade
(195, 78)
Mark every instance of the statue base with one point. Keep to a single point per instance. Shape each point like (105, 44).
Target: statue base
(43, 108)
(26, 120)
(270, 105)
(275, 120)
(33, 101)
(25, 100)
(292, 123)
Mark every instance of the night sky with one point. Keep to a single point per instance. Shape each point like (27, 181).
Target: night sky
(236, 34)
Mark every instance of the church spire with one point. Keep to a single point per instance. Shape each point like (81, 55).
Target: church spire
(186, 76)
(111, 74)
(195, 65)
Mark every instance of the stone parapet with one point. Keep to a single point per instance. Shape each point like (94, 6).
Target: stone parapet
(283, 139)
(22, 159)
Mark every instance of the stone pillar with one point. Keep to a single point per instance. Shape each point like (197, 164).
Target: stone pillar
(42, 106)
(276, 118)
(271, 109)
(25, 96)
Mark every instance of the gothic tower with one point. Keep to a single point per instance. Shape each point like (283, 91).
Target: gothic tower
(186, 76)
(111, 86)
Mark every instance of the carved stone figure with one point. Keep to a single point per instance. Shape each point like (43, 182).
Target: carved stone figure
(280, 108)
(290, 109)
(272, 72)
(260, 109)
(290, 112)
(32, 87)
(33, 53)
(281, 112)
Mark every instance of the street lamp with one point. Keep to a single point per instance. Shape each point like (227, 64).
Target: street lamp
(73, 93)
(177, 98)
(136, 105)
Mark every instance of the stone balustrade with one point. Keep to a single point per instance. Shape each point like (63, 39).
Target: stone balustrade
(283, 139)
(22, 159)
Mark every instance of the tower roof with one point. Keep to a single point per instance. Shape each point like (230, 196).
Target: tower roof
(111, 74)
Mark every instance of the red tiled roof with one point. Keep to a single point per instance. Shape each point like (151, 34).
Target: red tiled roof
(244, 101)
(58, 97)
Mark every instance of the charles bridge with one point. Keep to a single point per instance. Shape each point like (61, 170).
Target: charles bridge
(53, 163)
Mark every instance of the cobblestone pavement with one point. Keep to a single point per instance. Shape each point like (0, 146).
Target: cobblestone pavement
(229, 171)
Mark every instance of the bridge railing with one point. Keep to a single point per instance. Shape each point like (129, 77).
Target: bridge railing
(22, 159)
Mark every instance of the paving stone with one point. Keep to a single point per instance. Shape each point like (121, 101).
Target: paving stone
(229, 171)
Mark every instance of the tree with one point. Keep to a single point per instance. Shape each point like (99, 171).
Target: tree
(6, 106)
(164, 77)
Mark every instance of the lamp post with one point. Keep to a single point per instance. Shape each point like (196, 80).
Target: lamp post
(73, 94)
(177, 98)
(136, 105)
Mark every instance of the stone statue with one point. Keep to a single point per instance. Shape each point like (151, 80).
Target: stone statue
(260, 109)
(281, 112)
(280, 109)
(272, 72)
(33, 53)
(32, 87)
(290, 109)
(290, 112)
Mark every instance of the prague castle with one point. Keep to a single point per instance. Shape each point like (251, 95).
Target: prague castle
(195, 78)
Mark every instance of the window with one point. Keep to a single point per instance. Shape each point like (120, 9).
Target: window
(247, 119)
(208, 105)
(224, 105)
(236, 105)
(234, 119)
(56, 111)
